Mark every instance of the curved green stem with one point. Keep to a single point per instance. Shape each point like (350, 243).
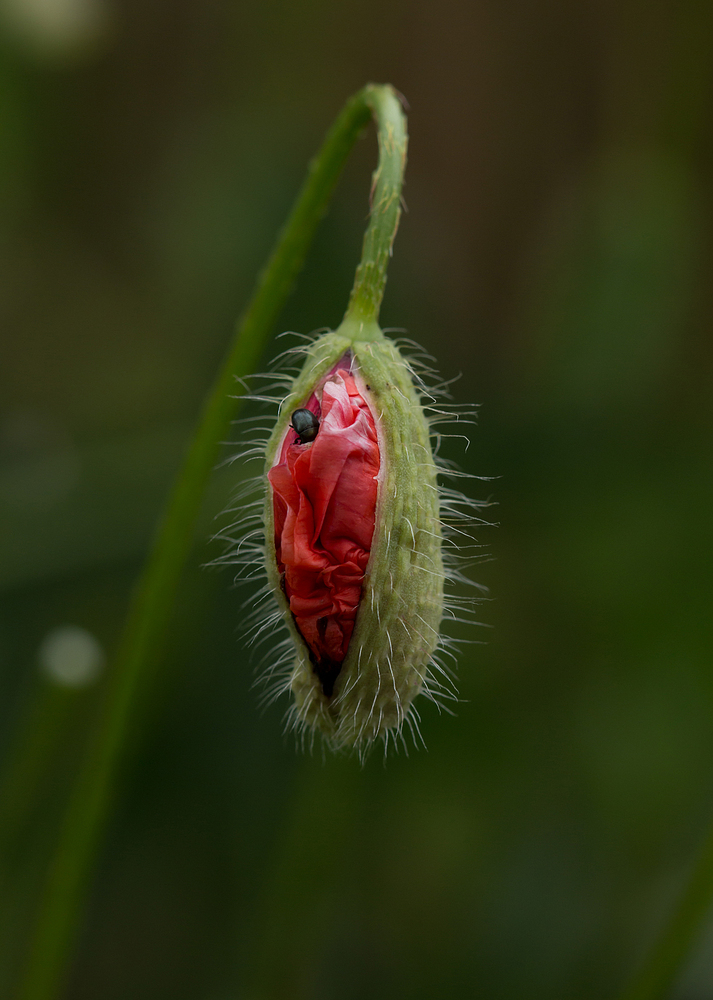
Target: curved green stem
(150, 613)
(657, 975)
(387, 181)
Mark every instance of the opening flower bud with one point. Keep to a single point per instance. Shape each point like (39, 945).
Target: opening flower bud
(353, 537)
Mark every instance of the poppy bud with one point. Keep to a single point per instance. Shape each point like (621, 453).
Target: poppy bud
(353, 537)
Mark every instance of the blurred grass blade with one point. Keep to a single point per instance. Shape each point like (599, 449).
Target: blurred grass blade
(657, 976)
(150, 613)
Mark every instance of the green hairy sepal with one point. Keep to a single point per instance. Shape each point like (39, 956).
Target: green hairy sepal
(398, 621)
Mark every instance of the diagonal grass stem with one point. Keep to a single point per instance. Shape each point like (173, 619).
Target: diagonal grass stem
(139, 653)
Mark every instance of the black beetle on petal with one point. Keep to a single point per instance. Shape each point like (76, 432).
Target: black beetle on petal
(305, 425)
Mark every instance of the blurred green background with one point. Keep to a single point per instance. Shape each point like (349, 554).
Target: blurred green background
(557, 251)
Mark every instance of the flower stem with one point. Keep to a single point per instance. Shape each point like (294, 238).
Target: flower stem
(655, 978)
(138, 656)
(387, 181)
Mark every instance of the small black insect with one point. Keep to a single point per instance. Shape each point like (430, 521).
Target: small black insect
(305, 425)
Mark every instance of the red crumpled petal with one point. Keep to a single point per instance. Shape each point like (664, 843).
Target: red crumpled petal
(325, 507)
